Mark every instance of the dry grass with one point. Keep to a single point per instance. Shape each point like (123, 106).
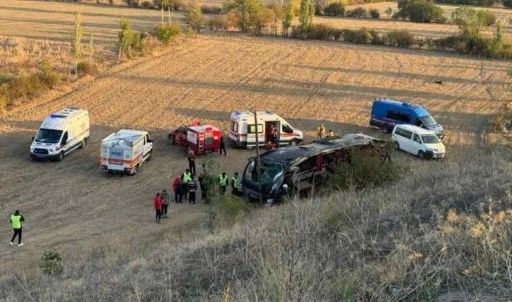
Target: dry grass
(407, 242)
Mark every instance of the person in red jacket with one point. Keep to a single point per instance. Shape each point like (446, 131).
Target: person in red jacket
(178, 189)
(157, 202)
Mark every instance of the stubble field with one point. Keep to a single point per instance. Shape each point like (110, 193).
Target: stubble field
(72, 207)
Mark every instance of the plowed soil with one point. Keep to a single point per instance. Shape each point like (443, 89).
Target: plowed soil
(73, 207)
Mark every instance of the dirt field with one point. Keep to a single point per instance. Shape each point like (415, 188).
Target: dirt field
(72, 207)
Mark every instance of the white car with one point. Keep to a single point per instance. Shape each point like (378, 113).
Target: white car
(418, 141)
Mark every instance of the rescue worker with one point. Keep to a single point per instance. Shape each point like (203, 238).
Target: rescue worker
(331, 133)
(321, 131)
(185, 178)
(274, 138)
(157, 203)
(223, 183)
(235, 185)
(192, 162)
(192, 187)
(16, 222)
(178, 189)
(165, 203)
(222, 146)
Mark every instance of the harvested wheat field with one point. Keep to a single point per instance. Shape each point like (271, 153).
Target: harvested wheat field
(419, 30)
(54, 21)
(72, 207)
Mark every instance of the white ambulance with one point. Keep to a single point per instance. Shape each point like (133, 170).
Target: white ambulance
(124, 151)
(61, 133)
(242, 130)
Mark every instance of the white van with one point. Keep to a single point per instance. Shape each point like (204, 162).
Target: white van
(242, 130)
(124, 151)
(61, 133)
(418, 141)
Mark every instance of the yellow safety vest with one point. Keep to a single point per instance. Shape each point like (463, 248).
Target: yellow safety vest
(236, 183)
(16, 222)
(223, 181)
(187, 177)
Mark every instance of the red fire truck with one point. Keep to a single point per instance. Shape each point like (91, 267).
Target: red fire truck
(198, 138)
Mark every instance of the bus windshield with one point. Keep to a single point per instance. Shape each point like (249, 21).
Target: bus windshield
(48, 136)
(428, 121)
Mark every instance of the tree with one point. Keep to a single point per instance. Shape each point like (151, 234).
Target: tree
(287, 20)
(195, 18)
(245, 9)
(307, 11)
(420, 11)
(334, 9)
(389, 12)
(469, 21)
(76, 44)
(262, 19)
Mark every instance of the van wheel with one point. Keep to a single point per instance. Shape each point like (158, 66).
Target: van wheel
(134, 171)
(387, 129)
(150, 155)
(421, 154)
(293, 142)
(397, 146)
(82, 144)
(61, 156)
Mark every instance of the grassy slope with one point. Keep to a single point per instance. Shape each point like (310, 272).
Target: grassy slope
(431, 233)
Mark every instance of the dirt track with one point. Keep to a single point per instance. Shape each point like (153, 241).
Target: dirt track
(73, 207)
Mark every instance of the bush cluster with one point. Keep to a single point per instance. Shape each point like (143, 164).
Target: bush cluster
(337, 9)
(486, 3)
(420, 11)
(174, 5)
(213, 10)
(166, 32)
(27, 86)
(464, 44)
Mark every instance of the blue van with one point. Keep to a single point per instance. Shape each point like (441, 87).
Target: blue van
(388, 113)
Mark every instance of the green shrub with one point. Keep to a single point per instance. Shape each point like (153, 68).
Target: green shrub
(334, 9)
(420, 11)
(358, 12)
(166, 32)
(486, 18)
(364, 169)
(507, 3)
(360, 36)
(6, 78)
(374, 13)
(146, 4)
(319, 32)
(47, 76)
(52, 263)
(400, 38)
(195, 18)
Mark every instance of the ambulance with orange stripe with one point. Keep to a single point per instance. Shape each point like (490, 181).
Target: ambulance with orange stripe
(124, 151)
(243, 129)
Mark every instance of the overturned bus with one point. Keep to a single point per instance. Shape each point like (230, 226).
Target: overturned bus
(295, 171)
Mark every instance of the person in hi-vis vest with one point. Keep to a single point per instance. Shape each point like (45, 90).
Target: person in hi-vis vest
(16, 220)
(223, 183)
